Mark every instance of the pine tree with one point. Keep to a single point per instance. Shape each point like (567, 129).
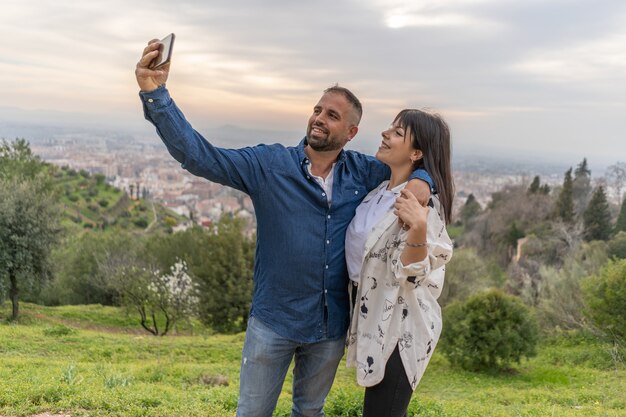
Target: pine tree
(534, 186)
(620, 225)
(565, 203)
(581, 186)
(597, 217)
(470, 209)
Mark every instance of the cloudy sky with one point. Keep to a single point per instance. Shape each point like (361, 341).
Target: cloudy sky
(534, 78)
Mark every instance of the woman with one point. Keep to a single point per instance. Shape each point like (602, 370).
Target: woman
(396, 249)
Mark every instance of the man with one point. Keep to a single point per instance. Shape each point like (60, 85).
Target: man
(304, 198)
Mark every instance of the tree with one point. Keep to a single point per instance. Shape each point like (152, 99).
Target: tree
(605, 294)
(511, 214)
(616, 175)
(18, 161)
(468, 273)
(470, 209)
(29, 219)
(561, 301)
(597, 217)
(620, 224)
(161, 299)
(617, 246)
(581, 186)
(565, 202)
(220, 262)
(534, 186)
(80, 275)
(225, 282)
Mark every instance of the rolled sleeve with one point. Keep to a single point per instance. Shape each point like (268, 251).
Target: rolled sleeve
(422, 174)
(412, 275)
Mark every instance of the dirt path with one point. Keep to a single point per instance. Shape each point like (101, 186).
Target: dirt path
(86, 326)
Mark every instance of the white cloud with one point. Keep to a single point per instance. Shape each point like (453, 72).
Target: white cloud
(595, 60)
(432, 13)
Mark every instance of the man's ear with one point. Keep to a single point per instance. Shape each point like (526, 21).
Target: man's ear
(352, 132)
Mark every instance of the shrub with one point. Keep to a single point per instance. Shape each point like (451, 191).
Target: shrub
(468, 273)
(103, 203)
(605, 297)
(560, 303)
(59, 330)
(488, 332)
(141, 222)
(617, 246)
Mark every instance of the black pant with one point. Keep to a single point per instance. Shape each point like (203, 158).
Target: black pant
(391, 396)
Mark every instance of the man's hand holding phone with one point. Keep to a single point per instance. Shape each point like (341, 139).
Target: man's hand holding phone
(154, 66)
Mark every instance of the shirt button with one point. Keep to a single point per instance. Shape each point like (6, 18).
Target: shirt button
(150, 100)
(328, 242)
(326, 266)
(308, 178)
(328, 216)
(356, 192)
(323, 194)
(325, 291)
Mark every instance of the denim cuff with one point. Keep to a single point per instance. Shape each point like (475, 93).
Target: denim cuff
(155, 99)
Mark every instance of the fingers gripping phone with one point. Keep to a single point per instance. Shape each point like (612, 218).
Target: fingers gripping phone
(165, 52)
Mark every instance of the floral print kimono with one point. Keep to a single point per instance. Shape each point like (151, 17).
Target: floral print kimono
(397, 304)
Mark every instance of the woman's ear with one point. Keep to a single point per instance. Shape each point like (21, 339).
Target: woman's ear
(416, 155)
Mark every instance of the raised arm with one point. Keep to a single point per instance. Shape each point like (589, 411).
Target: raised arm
(237, 168)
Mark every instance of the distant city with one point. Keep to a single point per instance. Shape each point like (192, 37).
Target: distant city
(140, 165)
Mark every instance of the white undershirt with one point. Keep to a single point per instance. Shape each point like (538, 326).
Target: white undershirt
(367, 215)
(326, 184)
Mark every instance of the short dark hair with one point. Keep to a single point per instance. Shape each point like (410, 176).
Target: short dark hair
(349, 95)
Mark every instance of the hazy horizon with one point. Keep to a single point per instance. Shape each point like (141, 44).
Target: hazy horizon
(536, 80)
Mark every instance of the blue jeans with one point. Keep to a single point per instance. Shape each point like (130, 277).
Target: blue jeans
(264, 364)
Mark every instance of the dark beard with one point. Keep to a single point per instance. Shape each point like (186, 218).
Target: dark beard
(323, 146)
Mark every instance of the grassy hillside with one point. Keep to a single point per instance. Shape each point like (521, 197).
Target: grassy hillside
(91, 361)
(89, 203)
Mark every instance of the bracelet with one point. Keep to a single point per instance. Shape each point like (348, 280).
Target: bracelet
(416, 245)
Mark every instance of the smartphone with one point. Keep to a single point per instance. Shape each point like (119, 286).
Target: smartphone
(165, 52)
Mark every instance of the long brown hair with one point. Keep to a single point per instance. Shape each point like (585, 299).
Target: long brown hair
(430, 134)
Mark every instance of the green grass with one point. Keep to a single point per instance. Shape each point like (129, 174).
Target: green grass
(82, 360)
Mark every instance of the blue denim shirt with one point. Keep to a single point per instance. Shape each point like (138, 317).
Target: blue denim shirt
(300, 274)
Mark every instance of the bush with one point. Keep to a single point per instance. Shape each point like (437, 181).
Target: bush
(59, 330)
(560, 303)
(468, 273)
(488, 332)
(103, 203)
(141, 222)
(617, 246)
(605, 297)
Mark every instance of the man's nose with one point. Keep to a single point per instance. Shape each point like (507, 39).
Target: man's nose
(320, 119)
